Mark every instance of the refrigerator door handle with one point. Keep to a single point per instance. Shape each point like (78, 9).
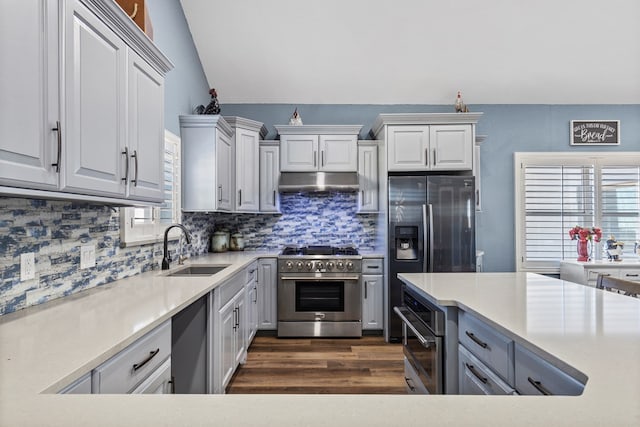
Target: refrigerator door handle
(431, 250)
(425, 234)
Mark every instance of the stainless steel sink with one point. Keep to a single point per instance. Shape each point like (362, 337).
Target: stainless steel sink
(198, 270)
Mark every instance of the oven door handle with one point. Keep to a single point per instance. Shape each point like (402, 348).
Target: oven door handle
(334, 279)
(426, 343)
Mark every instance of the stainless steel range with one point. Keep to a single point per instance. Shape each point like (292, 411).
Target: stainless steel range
(319, 292)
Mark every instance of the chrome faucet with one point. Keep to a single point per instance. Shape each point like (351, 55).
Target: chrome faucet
(166, 259)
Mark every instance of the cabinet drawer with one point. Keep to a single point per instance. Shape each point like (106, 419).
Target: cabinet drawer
(127, 369)
(488, 345)
(536, 376)
(230, 288)
(372, 266)
(630, 274)
(476, 378)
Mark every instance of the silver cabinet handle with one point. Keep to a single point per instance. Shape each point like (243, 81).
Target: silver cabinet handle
(135, 175)
(476, 373)
(125, 153)
(255, 288)
(58, 162)
(476, 340)
(538, 385)
(152, 354)
(219, 193)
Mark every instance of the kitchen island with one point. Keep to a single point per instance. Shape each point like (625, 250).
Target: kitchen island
(597, 333)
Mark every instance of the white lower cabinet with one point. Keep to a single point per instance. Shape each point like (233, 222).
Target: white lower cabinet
(159, 382)
(476, 378)
(372, 294)
(127, 370)
(229, 331)
(251, 291)
(267, 294)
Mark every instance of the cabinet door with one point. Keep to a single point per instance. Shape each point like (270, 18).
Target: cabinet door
(267, 294)
(146, 130)
(227, 339)
(95, 85)
(252, 311)
(269, 177)
(29, 88)
(338, 153)
(224, 156)
(241, 328)
(408, 148)
(159, 382)
(368, 178)
(451, 147)
(298, 153)
(247, 171)
(372, 293)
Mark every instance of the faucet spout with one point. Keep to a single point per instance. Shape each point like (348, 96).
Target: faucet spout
(166, 259)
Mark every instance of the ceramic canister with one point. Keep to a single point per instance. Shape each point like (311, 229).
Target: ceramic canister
(220, 241)
(237, 242)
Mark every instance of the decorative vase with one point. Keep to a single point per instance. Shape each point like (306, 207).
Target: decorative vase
(583, 250)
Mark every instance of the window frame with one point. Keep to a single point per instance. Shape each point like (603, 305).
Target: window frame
(132, 235)
(597, 159)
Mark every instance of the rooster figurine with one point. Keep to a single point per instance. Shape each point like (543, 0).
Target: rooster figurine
(214, 106)
(460, 105)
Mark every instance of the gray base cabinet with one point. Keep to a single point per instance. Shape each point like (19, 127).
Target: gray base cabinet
(125, 371)
(372, 294)
(476, 378)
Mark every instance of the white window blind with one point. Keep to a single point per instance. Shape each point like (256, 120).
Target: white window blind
(556, 191)
(142, 225)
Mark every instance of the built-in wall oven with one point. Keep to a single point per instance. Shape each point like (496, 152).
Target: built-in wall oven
(319, 294)
(423, 327)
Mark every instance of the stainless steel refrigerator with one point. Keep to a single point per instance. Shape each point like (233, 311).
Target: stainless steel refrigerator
(431, 229)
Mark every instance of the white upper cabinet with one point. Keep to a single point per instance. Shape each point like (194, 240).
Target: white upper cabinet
(368, 176)
(108, 78)
(247, 135)
(29, 88)
(95, 82)
(451, 147)
(146, 130)
(427, 141)
(313, 148)
(269, 176)
(208, 168)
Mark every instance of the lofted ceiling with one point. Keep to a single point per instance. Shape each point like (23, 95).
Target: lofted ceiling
(419, 51)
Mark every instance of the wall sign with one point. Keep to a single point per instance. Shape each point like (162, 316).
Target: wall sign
(595, 132)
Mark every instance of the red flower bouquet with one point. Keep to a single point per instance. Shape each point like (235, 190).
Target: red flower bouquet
(583, 235)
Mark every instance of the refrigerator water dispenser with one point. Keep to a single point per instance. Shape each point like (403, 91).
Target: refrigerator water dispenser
(406, 243)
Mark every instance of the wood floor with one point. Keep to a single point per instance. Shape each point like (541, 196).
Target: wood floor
(364, 365)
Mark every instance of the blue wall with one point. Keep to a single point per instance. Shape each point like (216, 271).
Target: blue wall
(509, 129)
(186, 85)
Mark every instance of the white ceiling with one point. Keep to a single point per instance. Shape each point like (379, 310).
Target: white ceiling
(419, 51)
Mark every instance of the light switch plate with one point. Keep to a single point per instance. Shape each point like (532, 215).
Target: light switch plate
(87, 256)
(27, 266)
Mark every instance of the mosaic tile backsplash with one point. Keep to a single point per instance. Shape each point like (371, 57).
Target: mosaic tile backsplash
(55, 230)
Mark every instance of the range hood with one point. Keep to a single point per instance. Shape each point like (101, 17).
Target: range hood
(318, 181)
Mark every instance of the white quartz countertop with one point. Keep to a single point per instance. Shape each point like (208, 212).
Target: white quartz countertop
(624, 263)
(47, 347)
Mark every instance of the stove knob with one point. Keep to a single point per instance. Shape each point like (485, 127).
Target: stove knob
(309, 265)
(340, 265)
(299, 265)
(289, 265)
(319, 265)
(330, 265)
(349, 265)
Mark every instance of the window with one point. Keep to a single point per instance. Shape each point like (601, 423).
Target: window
(140, 225)
(556, 191)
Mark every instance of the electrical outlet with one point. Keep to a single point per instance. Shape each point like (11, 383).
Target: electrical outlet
(27, 266)
(87, 256)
